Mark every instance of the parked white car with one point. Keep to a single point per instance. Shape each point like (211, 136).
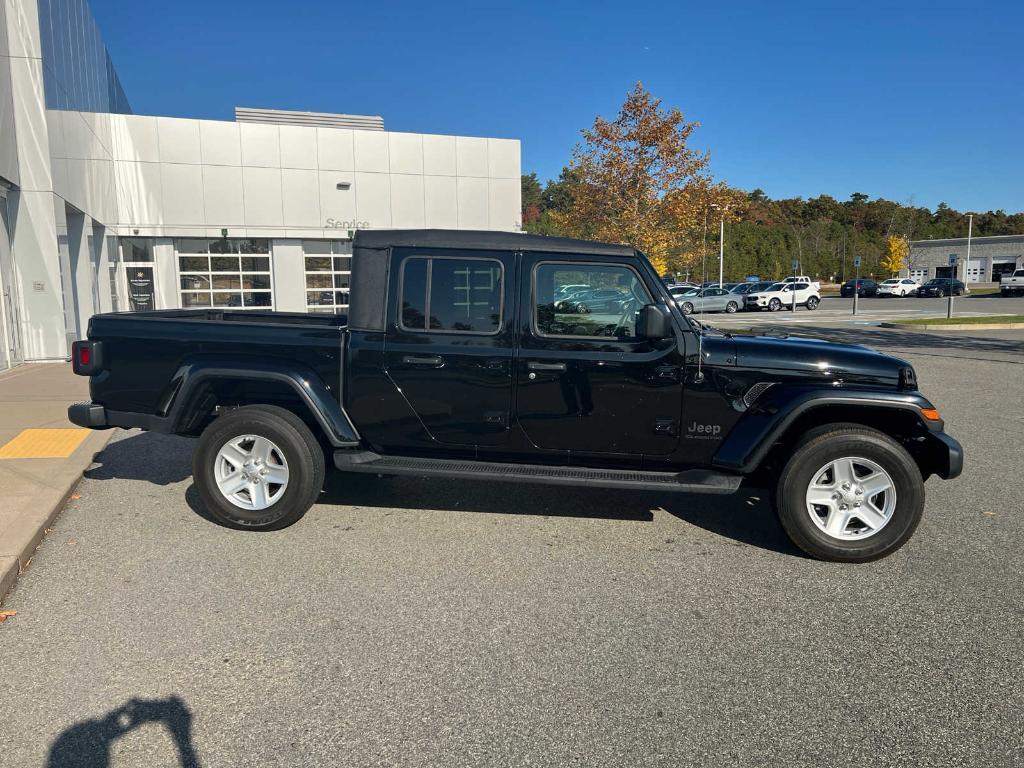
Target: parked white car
(781, 295)
(897, 286)
(803, 279)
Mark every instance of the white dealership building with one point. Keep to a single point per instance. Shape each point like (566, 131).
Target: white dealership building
(102, 209)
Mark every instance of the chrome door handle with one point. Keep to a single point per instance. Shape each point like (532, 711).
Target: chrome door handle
(434, 361)
(534, 366)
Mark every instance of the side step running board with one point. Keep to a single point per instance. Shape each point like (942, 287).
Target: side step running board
(690, 481)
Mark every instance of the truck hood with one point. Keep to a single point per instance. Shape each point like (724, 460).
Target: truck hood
(818, 359)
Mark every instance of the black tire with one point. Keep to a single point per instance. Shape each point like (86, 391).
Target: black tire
(834, 441)
(582, 309)
(687, 308)
(940, 294)
(774, 305)
(302, 453)
(731, 307)
(812, 303)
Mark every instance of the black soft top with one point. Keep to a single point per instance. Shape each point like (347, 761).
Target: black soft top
(464, 238)
(370, 262)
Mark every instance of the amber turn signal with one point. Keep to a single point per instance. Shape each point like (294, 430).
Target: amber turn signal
(931, 414)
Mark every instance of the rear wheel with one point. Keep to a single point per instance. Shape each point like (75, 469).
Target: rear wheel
(258, 467)
(850, 494)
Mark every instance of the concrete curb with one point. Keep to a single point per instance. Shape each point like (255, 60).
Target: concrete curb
(28, 531)
(953, 327)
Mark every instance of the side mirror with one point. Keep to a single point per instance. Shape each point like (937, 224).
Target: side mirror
(654, 322)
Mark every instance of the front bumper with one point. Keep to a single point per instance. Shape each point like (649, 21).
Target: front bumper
(946, 454)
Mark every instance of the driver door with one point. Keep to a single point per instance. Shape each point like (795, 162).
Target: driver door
(585, 382)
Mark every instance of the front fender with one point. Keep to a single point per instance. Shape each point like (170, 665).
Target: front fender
(749, 441)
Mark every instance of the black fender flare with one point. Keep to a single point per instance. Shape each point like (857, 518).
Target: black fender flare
(753, 436)
(179, 399)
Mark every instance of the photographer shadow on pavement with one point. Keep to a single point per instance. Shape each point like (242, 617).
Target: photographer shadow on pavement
(88, 744)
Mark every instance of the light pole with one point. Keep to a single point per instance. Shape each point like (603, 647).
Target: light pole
(721, 242)
(970, 229)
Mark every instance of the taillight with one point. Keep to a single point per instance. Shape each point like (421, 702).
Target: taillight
(86, 357)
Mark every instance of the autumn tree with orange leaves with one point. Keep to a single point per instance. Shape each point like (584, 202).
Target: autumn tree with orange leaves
(637, 181)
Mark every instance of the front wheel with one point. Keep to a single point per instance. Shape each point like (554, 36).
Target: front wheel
(687, 308)
(731, 307)
(850, 494)
(582, 309)
(812, 303)
(258, 467)
(774, 305)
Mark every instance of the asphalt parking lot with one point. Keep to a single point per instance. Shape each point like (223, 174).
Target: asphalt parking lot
(872, 310)
(411, 622)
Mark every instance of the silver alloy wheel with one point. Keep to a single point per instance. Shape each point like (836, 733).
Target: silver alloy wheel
(731, 307)
(851, 498)
(251, 472)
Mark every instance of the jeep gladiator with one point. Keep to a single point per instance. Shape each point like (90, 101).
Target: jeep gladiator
(456, 360)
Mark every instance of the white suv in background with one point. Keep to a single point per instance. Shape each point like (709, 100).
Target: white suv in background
(780, 296)
(897, 286)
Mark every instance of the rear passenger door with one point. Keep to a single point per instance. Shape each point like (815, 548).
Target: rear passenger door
(449, 341)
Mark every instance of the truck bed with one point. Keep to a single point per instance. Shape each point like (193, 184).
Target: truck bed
(241, 316)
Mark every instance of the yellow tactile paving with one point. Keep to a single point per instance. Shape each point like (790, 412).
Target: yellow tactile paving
(43, 444)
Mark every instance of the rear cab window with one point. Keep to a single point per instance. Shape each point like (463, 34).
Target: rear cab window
(451, 294)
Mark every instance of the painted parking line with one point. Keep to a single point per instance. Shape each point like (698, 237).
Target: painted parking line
(43, 444)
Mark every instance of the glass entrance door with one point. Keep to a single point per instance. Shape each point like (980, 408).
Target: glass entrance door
(10, 315)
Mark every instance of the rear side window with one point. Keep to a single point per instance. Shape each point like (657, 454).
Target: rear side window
(451, 295)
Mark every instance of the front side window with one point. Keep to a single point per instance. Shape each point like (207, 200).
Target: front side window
(608, 308)
(453, 295)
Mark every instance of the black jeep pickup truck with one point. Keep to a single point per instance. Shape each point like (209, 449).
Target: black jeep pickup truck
(459, 359)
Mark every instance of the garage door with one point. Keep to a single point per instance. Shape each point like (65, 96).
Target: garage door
(921, 275)
(975, 270)
(1002, 265)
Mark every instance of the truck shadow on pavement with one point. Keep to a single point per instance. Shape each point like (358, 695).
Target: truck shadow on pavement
(88, 744)
(745, 517)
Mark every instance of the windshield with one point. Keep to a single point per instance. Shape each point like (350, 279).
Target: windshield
(778, 287)
(687, 292)
(891, 282)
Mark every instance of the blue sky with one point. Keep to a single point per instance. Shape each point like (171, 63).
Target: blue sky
(913, 101)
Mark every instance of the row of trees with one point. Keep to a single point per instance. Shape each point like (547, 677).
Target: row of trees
(636, 180)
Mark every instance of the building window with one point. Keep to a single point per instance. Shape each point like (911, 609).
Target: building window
(328, 275)
(136, 249)
(229, 274)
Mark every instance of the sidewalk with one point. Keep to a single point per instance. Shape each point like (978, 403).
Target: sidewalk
(38, 468)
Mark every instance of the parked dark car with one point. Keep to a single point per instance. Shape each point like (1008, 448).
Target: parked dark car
(742, 289)
(942, 286)
(456, 363)
(593, 300)
(862, 288)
